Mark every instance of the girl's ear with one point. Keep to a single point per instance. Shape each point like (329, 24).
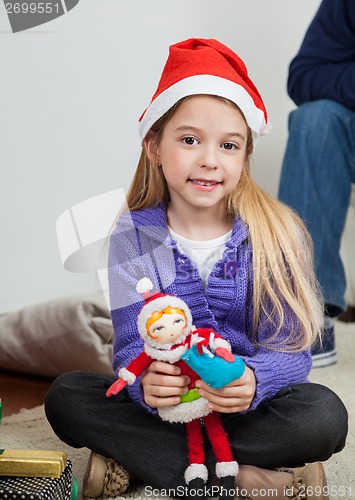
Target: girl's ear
(151, 147)
(250, 151)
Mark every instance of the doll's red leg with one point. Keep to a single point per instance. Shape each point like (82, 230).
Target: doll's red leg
(218, 437)
(226, 467)
(196, 471)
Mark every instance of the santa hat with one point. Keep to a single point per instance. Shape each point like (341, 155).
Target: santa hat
(157, 302)
(206, 66)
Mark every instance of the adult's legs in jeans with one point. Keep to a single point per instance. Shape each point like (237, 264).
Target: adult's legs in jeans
(317, 172)
(284, 432)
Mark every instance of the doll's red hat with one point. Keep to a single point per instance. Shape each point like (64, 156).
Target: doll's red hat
(206, 66)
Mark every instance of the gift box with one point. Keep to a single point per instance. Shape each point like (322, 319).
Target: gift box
(39, 488)
(32, 463)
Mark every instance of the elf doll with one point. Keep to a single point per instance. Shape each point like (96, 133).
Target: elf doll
(165, 325)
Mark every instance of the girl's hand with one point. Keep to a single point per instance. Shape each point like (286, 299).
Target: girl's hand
(234, 397)
(162, 384)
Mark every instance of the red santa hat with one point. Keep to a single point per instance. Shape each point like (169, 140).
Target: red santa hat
(157, 302)
(206, 66)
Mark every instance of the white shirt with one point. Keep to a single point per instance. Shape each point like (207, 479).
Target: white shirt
(203, 254)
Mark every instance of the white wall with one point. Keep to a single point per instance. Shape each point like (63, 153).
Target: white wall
(71, 92)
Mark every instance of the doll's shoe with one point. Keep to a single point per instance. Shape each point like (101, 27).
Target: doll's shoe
(196, 484)
(104, 477)
(227, 491)
(309, 483)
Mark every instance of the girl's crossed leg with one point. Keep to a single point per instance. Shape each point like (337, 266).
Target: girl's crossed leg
(301, 424)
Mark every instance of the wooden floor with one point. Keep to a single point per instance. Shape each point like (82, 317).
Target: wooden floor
(19, 391)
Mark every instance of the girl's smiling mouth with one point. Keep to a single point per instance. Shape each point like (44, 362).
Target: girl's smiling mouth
(206, 184)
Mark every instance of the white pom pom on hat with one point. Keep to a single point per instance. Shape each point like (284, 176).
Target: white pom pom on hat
(206, 66)
(144, 286)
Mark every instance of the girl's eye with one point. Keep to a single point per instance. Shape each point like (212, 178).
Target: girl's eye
(229, 145)
(177, 321)
(158, 329)
(190, 140)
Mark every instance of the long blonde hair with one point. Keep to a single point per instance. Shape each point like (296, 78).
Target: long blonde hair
(283, 269)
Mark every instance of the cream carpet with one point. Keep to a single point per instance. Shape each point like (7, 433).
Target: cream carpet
(29, 429)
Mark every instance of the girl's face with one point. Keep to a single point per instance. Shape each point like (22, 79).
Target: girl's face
(168, 328)
(202, 153)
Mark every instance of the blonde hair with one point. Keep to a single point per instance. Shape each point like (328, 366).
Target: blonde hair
(283, 269)
(156, 315)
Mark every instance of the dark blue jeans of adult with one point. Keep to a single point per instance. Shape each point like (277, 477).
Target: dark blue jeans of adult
(317, 173)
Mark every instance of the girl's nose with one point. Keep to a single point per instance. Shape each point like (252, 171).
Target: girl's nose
(209, 158)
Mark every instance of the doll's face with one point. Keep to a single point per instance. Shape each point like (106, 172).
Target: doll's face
(168, 328)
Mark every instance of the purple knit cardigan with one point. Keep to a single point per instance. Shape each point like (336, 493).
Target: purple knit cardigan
(141, 246)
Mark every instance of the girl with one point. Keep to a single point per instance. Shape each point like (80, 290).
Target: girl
(201, 229)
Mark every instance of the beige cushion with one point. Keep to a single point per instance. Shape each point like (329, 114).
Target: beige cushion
(71, 333)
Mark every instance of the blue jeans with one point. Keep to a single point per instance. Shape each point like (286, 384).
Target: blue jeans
(317, 173)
